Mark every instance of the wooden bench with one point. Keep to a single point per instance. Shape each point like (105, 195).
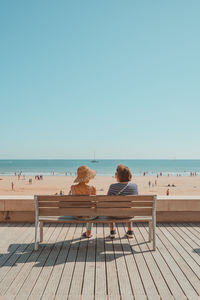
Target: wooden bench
(62, 209)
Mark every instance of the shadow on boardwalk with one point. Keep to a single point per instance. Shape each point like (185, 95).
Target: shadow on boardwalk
(76, 245)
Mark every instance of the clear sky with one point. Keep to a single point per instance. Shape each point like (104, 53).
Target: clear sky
(121, 78)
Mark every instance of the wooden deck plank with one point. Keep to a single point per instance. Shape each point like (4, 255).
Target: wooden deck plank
(188, 245)
(11, 233)
(115, 297)
(27, 266)
(74, 297)
(185, 237)
(188, 265)
(123, 276)
(11, 247)
(87, 297)
(53, 282)
(170, 279)
(124, 297)
(143, 268)
(41, 283)
(34, 274)
(111, 268)
(194, 226)
(189, 232)
(8, 260)
(134, 275)
(65, 280)
(178, 266)
(3, 230)
(193, 233)
(21, 261)
(4, 227)
(158, 279)
(100, 275)
(99, 297)
(88, 286)
(175, 269)
(79, 269)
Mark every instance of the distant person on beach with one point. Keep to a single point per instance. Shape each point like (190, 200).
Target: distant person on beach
(149, 183)
(123, 187)
(167, 192)
(12, 186)
(84, 175)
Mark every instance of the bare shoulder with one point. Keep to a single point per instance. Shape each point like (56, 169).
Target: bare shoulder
(73, 188)
(94, 191)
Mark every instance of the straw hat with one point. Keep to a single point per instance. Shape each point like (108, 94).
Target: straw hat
(84, 174)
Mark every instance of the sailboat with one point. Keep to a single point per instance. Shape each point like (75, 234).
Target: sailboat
(94, 160)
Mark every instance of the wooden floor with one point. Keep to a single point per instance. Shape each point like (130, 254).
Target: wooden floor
(67, 266)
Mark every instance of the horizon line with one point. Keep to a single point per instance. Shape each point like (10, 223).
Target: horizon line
(100, 159)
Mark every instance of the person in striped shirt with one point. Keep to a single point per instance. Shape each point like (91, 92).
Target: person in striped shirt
(123, 187)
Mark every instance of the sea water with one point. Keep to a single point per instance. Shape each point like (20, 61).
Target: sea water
(102, 166)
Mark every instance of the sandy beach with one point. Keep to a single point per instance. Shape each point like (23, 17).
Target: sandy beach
(183, 185)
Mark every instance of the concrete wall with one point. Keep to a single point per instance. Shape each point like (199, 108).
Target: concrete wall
(169, 209)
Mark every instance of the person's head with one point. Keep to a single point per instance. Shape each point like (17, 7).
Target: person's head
(123, 174)
(84, 174)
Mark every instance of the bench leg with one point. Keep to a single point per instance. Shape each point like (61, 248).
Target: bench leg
(41, 232)
(150, 231)
(36, 236)
(154, 236)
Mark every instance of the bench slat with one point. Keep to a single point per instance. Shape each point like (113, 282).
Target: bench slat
(104, 204)
(49, 204)
(95, 204)
(95, 211)
(76, 204)
(79, 198)
(124, 204)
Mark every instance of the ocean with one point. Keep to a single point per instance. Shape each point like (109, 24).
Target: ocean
(102, 166)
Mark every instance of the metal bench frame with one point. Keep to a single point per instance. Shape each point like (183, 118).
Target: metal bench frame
(61, 209)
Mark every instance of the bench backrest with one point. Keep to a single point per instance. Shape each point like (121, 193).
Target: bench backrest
(122, 206)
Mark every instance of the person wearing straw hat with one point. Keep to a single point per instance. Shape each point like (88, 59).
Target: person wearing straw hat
(84, 175)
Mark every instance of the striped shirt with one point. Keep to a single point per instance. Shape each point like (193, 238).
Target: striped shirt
(115, 188)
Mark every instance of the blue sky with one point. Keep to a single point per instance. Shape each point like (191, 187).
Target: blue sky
(121, 78)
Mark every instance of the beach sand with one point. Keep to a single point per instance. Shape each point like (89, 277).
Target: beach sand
(184, 185)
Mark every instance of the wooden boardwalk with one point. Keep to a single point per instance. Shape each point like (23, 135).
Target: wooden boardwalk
(67, 266)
